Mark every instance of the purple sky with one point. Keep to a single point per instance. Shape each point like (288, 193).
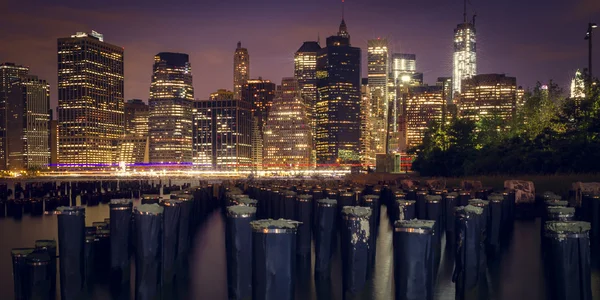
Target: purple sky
(533, 40)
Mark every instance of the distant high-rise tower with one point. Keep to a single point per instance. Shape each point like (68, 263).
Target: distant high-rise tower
(28, 122)
(488, 96)
(260, 94)
(241, 70)
(288, 143)
(133, 147)
(367, 152)
(90, 100)
(170, 120)
(464, 63)
(9, 73)
(378, 71)
(222, 133)
(338, 106)
(305, 72)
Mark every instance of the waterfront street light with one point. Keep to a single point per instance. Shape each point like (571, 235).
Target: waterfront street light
(588, 37)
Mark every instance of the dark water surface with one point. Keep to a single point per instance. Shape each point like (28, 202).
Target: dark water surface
(516, 274)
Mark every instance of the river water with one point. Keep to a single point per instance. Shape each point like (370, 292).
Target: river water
(516, 274)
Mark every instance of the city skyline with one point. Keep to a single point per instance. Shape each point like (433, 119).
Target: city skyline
(552, 50)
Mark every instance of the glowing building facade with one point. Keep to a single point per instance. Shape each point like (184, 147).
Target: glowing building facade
(9, 73)
(170, 118)
(260, 94)
(222, 133)
(488, 95)
(378, 72)
(28, 124)
(134, 146)
(422, 106)
(578, 86)
(288, 141)
(464, 62)
(338, 106)
(367, 152)
(90, 100)
(305, 72)
(241, 70)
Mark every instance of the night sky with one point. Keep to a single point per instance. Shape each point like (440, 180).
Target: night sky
(531, 39)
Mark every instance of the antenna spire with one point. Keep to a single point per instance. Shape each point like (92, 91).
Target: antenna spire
(343, 9)
(465, 13)
(319, 38)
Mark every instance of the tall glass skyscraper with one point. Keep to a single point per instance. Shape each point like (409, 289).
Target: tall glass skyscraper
(9, 73)
(338, 106)
(241, 70)
(378, 71)
(305, 72)
(260, 94)
(28, 122)
(222, 133)
(464, 63)
(170, 120)
(90, 100)
(133, 147)
(288, 141)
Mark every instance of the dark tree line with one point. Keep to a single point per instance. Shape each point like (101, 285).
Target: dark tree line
(550, 134)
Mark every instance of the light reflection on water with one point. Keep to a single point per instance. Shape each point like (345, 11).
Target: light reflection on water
(516, 274)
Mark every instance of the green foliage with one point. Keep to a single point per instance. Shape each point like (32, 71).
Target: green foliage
(550, 134)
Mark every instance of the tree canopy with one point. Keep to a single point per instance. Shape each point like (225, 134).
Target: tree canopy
(550, 133)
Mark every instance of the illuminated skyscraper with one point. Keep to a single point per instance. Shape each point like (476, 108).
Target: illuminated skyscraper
(90, 100)
(136, 117)
(578, 86)
(338, 106)
(241, 70)
(260, 94)
(9, 73)
(28, 124)
(422, 106)
(367, 152)
(170, 120)
(488, 95)
(222, 133)
(403, 67)
(305, 71)
(378, 71)
(133, 147)
(464, 63)
(288, 142)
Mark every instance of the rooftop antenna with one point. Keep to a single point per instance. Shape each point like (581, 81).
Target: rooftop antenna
(342, 9)
(465, 13)
(319, 38)
(474, 16)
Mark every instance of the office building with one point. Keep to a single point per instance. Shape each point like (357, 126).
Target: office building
(446, 84)
(136, 117)
(170, 106)
(222, 133)
(378, 71)
(287, 132)
(28, 124)
(338, 106)
(422, 106)
(305, 72)
(134, 146)
(488, 95)
(578, 86)
(367, 147)
(90, 100)
(464, 61)
(241, 70)
(260, 94)
(9, 73)
(53, 142)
